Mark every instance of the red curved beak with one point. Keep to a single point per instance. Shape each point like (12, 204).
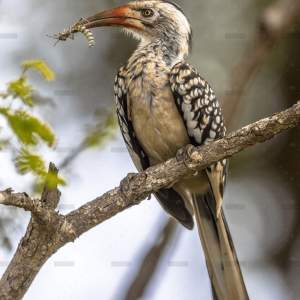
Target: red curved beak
(119, 17)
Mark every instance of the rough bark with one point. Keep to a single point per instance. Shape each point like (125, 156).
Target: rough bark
(44, 236)
(48, 230)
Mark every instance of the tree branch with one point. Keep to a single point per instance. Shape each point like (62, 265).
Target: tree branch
(44, 236)
(48, 231)
(140, 186)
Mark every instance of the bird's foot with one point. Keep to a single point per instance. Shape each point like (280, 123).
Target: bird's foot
(186, 152)
(124, 182)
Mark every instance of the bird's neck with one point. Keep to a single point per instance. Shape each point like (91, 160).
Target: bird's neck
(167, 53)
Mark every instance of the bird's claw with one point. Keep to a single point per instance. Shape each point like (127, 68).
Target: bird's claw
(185, 152)
(124, 185)
(179, 153)
(125, 181)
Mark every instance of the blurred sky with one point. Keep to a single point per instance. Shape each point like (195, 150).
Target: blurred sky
(260, 229)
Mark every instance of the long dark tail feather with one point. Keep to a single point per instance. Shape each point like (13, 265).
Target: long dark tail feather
(221, 259)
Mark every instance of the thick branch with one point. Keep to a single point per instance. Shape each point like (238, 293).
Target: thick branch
(160, 176)
(44, 236)
(28, 203)
(48, 231)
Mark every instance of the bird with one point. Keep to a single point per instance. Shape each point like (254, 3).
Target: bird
(164, 105)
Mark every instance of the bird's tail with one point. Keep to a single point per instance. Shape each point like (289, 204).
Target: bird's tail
(221, 259)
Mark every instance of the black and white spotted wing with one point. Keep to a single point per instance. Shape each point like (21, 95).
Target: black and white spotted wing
(197, 104)
(139, 158)
(203, 119)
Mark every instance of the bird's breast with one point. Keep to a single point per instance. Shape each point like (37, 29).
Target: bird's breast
(157, 123)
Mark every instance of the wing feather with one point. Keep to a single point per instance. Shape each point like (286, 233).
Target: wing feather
(199, 108)
(139, 157)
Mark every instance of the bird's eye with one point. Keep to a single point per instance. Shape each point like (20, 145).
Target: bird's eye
(147, 12)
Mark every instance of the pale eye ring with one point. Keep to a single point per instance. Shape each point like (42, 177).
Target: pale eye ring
(147, 12)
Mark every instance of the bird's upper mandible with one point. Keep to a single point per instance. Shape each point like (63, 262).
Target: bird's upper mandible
(150, 21)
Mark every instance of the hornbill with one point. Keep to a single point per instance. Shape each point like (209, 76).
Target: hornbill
(164, 104)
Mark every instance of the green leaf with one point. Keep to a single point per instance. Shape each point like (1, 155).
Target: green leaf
(4, 96)
(51, 183)
(52, 180)
(20, 89)
(28, 161)
(27, 127)
(98, 135)
(4, 144)
(41, 67)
